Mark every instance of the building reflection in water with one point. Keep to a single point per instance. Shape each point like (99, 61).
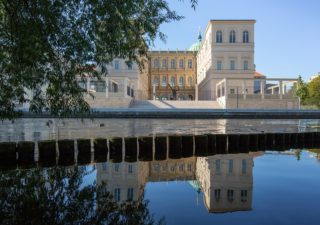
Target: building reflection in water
(225, 179)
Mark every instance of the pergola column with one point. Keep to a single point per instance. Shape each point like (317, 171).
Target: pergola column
(125, 87)
(196, 92)
(226, 88)
(280, 89)
(107, 87)
(262, 86)
(244, 89)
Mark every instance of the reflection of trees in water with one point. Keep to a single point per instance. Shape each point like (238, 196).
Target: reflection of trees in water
(59, 196)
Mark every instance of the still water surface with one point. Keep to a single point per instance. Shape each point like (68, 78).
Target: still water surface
(265, 187)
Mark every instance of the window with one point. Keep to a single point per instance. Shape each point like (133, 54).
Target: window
(219, 36)
(164, 81)
(232, 91)
(172, 81)
(189, 167)
(130, 169)
(230, 195)
(244, 166)
(129, 65)
(181, 167)
(83, 85)
(230, 170)
(116, 65)
(164, 64)
(100, 86)
(181, 64)
(232, 38)
(156, 63)
(246, 65)
(245, 37)
(104, 166)
(232, 65)
(156, 81)
(130, 194)
(219, 65)
(181, 81)
(116, 194)
(173, 64)
(218, 166)
(190, 81)
(244, 195)
(217, 194)
(116, 167)
(190, 63)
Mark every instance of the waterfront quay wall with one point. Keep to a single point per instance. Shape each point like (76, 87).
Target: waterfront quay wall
(26, 154)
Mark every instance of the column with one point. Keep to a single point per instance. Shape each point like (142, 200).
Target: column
(280, 89)
(217, 88)
(244, 87)
(88, 84)
(262, 86)
(125, 84)
(107, 87)
(154, 91)
(196, 92)
(226, 88)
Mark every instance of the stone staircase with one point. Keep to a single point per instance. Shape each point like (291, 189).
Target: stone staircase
(156, 104)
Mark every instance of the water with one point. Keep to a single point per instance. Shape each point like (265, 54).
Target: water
(264, 187)
(274, 184)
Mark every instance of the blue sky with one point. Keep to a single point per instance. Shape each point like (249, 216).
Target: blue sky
(287, 32)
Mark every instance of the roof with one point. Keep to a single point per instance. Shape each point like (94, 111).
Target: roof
(259, 75)
(247, 20)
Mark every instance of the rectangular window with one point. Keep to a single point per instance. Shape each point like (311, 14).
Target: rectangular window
(244, 166)
(230, 166)
(189, 167)
(232, 91)
(245, 65)
(164, 81)
(130, 169)
(190, 63)
(129, 65)
(173, 64)
(130, 194)
(244, 195)
(116, 167)
(156, 63)
(219, 65)
(218, 166)
(230, 195)
(232, 65)
(217, 194)
(181, 64)
(116, 194)
(116, 65)
(164, 64)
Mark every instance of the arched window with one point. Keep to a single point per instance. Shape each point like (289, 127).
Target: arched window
(232, 38)
(172, 81)
(181, 81)
(219, 36)
(245, 37)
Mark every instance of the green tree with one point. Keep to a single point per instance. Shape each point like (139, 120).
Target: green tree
(47, 43)
(314, 91)
(60, 196)
(301, 90)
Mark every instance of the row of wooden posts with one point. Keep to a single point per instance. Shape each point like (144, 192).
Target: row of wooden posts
(132, 149)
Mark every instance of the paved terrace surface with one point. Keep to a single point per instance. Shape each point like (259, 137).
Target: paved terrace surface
(174, 113)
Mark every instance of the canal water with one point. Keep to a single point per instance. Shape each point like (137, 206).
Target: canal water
(253, 185)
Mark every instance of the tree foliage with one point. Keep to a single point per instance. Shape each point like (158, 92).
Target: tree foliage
(314, 91)
(301, 90)
(60, 196)
(46, 44)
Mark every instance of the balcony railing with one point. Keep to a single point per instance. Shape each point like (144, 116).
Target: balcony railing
(167, 88)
